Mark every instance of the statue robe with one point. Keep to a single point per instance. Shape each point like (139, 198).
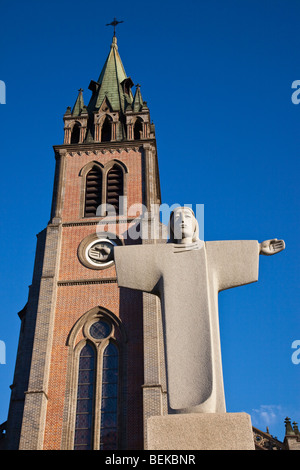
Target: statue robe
(188, 283)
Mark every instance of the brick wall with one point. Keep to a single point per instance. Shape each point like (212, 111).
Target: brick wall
(73, 182)
(64, 292)
(80, 289)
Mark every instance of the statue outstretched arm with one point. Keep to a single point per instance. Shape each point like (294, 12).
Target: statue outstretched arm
(105, 251)
(137, 266)
(271, 247)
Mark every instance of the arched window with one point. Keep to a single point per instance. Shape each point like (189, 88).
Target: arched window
(94, 390)
(109, 401)
(85, 399)
(75, 136)
(114, 187)
(138, 129)
(106, 130)
(93, 191)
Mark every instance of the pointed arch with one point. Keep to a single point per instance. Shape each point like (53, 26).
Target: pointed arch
(138, 129)
(103, 184)
(106, 129)
(86, 168)
(95, 382)
(114, 161)
(115, 187)
(75, 135)
(93, 191)
(96, 313)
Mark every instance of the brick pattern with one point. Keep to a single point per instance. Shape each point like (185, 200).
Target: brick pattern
(63, 290)
(72, 303)
(73, 182)
(74, 299)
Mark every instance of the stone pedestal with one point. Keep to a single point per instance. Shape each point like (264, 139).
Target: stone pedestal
(200, 431)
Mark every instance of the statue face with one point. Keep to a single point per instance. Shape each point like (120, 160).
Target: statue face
(183, 224)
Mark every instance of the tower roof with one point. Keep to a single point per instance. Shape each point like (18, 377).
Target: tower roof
(112, 83)
(138, 100)
(79, 104)
(112, 104)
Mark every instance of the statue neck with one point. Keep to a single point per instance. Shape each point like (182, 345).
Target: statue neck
(184, 241)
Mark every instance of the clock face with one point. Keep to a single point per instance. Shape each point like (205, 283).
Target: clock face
(100, 252)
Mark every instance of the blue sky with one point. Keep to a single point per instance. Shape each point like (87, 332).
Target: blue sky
(217, 77)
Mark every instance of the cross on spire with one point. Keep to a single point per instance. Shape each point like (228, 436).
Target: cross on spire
(114, 24)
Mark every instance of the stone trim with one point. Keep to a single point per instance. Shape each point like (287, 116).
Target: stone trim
(154, 386)
(59, 185)
(36, 391)
(82, 282)
(34, 417)
(94, 147)
(100, 221)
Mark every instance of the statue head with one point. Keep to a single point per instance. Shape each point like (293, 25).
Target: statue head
(183, 226)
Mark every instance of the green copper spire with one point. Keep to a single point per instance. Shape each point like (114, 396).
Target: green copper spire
(79, 104)
(113, 83)
(138, 100)
(113, 113)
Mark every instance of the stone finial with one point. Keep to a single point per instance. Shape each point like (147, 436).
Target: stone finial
(288, 427)
(296, 429)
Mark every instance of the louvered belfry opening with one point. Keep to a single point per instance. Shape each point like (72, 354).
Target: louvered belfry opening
(93, 192)
(75, 136)
(106, 131)
(138, 129)
(114, 187)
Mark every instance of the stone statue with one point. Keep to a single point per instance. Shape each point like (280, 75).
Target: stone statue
(187, 274)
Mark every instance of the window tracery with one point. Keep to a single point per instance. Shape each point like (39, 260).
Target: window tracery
(96, 370)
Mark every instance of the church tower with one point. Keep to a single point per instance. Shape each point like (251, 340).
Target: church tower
(89, 371)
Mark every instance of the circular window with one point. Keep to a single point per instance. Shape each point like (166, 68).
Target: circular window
(100, 329)
(100, 252)
(96, 250)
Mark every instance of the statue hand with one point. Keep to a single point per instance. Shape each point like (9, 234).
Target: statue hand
(102, 252)
(271, 247)
(109, 252)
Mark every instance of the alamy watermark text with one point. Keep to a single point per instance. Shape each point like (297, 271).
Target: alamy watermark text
(296, 353)
(2, 92)
(2, 352)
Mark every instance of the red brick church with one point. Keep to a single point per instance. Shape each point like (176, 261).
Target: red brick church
(90, 361)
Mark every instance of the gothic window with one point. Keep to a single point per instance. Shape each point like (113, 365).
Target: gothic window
(114, 187)
(109, 402)
(75, 136)
(103, 185)
(95, 385)
(138, 129)
(93, 192)
(85, 399)
(106, 130)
